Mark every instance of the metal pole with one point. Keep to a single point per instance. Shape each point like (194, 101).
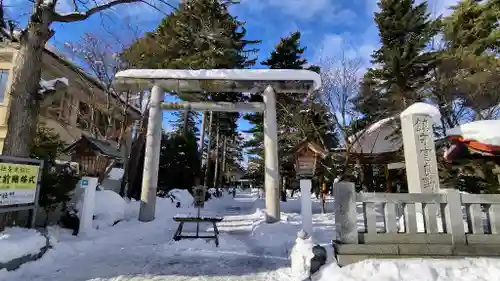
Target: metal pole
(152, 157)
(272, 174)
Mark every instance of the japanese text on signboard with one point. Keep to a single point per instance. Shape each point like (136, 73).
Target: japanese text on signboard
(423, 128)
(18, 176)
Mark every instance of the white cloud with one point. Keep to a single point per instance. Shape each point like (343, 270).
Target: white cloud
(305, 10)
(352, 47)
(363, 44)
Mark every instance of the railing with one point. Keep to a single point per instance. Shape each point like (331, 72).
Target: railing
(448, 218)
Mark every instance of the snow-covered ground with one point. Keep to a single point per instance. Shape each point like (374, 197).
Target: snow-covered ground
(249, 250)
(17, 242)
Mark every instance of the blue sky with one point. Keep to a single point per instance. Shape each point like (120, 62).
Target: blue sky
(327, 26)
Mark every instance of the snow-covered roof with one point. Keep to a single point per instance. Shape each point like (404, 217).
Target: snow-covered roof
(483, 131)
(377, 138)
(286, 80)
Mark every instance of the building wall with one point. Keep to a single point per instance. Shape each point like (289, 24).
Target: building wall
(64, 118)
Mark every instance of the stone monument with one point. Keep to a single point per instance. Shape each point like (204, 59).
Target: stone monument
(419, 148)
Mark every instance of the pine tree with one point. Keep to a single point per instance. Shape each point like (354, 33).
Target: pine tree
(474, 25)
(200, 34)
(405, 29)
(288, 54)
(192, 124)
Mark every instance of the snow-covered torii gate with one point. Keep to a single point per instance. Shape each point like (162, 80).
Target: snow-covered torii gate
(267, 81)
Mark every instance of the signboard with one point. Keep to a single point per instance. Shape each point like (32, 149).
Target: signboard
(84, 183)
(305, 165)
(18, 183)
(199, 193)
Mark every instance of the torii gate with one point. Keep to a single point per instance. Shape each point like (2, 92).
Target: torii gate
(267, 81)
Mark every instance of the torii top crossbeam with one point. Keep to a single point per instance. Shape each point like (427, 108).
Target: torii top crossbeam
(220, 80)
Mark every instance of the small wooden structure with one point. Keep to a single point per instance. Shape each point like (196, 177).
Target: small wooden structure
(306, 154)
(93, 155)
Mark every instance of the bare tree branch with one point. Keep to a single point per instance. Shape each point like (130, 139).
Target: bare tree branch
(80, 16)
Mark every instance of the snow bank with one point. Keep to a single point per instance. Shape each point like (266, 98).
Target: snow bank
(301, 256)
(477, 269)
(484, 131)
(182, 196)
(109, 208)
(17, 242)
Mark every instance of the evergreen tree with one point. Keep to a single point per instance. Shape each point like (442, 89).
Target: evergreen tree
(179, 162)
(192, 124)
(288, 54)
(200, 34)
(474, 25)
(405, 29)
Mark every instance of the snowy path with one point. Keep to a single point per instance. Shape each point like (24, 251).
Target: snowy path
(152, 256)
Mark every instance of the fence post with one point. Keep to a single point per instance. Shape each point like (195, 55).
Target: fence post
(454, 217)
(345, 213)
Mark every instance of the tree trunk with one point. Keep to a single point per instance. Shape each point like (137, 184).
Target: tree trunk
(202, 136)
(185, 127)
(134, 160)
(283, 188)
(216, 166)
(209, 147)
(24, 101)
(126, 146)
(24, 97)
(224, 155)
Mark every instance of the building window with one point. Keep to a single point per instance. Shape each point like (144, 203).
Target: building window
(83, 118)
(4, 77)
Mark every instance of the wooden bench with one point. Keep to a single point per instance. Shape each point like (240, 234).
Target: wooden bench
(197, 219)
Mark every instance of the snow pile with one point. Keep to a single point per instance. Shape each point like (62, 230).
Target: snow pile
(483, 131)
(301, 256)
(116, 174)
(477, 269)
(17, 242)
(181, 196)
(109, 208)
